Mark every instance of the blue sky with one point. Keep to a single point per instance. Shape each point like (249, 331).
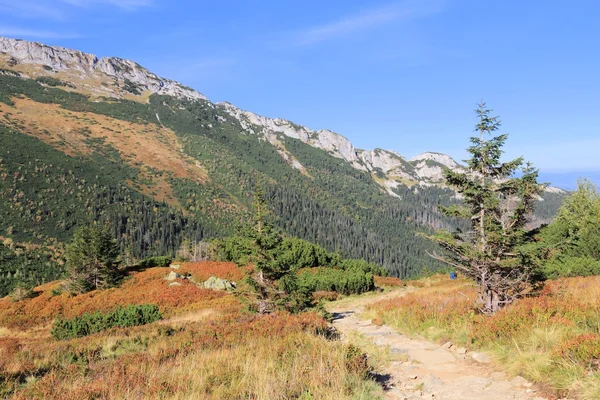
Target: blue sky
(401, 75)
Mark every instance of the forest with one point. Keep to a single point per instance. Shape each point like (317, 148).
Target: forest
(45, 194)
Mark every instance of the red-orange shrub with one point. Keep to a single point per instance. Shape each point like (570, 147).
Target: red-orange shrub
(389, 281)
(582, 349)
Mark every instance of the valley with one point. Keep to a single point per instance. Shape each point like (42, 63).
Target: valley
(156, 244)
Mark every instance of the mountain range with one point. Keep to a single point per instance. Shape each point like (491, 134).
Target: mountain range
(86, 139)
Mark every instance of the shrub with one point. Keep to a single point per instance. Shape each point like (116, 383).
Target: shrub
(326, 296)
(389, 281)
(157, 261)
(569, 266)
(363, 265)
(88, 323)
(582, 349)
(21, 292)
(47, 80)
(354, 281)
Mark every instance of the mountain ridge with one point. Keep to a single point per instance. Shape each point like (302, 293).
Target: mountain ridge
(163, 170)
(129, 78)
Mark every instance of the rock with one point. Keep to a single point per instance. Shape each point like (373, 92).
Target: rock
(215, 283)
(175, 266)
(173, 275)
(481, 358)
(519, 381)
(396, 350)
(175, 284)
(447, 345)
(461, 350)
(88, 65)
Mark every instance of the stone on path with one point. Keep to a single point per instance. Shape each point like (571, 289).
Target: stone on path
(481, 358)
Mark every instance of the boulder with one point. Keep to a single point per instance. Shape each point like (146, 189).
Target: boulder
(481, 358)
(461, 350)
(215, 283)
(173, 275)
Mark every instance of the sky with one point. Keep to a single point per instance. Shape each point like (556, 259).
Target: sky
(401, 75)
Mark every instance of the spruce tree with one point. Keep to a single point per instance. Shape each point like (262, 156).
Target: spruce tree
(92, 260)
(498, 204)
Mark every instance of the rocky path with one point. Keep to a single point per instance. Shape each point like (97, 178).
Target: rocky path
(420, 369)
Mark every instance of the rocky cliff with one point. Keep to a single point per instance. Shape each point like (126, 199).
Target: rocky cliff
(119, 78)
(84, 68)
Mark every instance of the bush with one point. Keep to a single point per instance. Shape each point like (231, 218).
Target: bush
(354, 281)
(363, 266)
(569, 266)
(89, 323)
(47, 80)
(389, 281)
(158, 261)
(582, 350)
(21, 292)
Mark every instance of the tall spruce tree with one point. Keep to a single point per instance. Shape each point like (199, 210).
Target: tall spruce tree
(92, 260)
(498, 205)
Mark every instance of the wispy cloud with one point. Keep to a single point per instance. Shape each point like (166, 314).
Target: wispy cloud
(34, 33)
(367, 19)
(123, 4)
(31, 9)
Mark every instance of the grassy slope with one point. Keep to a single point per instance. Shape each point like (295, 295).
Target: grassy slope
(206, 347)
(552, 339)
(198, 159)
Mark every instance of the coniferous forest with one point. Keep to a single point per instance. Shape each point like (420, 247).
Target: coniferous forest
(47, 192)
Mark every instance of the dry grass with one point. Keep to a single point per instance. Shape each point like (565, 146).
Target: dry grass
(552, 339)
(144, 147)
(94, 83)
(206, 347)
(141, 287)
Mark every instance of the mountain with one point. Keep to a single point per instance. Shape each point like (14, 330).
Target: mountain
(87, 139)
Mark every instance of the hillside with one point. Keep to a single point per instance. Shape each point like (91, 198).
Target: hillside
(205, 345)
(84, 139)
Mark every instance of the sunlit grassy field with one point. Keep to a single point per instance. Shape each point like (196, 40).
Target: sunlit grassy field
(206, 346)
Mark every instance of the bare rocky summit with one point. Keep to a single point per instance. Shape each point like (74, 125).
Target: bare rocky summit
(119, 78)
(83, 65)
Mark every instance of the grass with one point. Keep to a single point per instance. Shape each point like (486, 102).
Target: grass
(552, 339)
(207, 346)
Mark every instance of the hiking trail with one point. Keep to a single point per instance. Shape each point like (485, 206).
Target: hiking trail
(420, 369)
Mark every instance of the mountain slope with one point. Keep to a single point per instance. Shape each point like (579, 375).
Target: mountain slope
(84, 142)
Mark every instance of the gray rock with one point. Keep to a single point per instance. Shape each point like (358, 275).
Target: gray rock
(519, 381)
(215, 283)
(88, 65)
(481, 358)
(396, 350)
(173, 275)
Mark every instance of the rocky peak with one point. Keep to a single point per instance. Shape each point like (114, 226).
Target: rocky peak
(439, 158)
(56, 59)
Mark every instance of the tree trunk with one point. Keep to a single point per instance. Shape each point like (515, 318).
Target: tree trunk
(491, 300)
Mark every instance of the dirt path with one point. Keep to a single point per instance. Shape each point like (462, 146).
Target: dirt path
(420, 369)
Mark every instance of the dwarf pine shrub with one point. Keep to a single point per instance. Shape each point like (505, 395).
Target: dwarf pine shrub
(89, 323)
